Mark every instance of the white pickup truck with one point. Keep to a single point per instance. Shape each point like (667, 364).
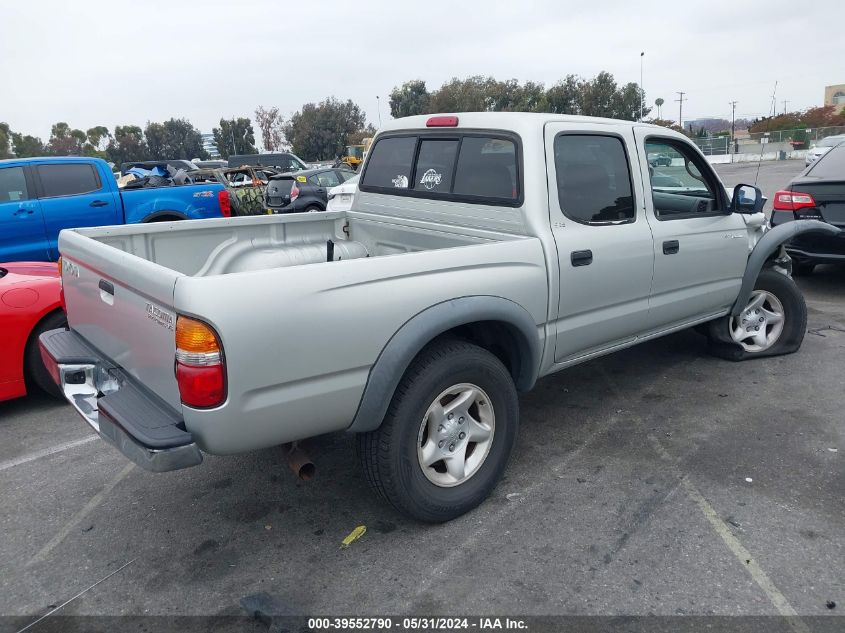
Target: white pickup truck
(482, 252)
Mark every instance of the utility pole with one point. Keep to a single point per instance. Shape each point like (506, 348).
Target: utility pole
(680, 101)
(733, 128)
(642, 92)
(785, 101)
(378, 102)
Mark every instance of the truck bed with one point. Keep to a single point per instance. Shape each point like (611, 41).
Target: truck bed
(260, 243)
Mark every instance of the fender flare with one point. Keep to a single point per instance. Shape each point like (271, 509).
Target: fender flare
(421, 329)
(768, 244)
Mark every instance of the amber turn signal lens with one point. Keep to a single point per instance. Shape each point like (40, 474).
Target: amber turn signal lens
(195, 336)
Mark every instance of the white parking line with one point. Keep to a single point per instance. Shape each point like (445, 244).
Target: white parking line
(96, 500)
(745, 558)
(45, 452)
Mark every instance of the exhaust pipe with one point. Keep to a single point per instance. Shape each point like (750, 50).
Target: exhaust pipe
(300, 463)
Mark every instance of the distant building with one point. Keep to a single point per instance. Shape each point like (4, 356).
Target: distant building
(834, 95)
(209, 146)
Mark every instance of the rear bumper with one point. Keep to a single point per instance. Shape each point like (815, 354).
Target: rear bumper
(121, 412)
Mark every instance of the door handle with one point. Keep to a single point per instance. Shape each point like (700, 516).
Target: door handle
(581, 258)
(22, 211)
(670, 247)
(99, 203)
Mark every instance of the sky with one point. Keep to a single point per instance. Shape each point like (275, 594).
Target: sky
(98, 62)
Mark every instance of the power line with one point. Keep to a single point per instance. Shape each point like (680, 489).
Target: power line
(680, 100)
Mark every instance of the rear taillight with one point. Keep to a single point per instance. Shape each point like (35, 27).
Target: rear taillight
(792, 201)
(225, 203)
(294, 193)
(200, 366)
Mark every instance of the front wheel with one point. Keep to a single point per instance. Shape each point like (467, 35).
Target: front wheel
(447, 435)
(773, 321)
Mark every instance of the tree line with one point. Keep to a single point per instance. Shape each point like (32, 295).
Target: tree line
(600, 96)
(320, 130)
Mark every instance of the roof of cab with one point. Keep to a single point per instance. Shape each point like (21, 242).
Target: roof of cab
(505, 121)
(50, 159)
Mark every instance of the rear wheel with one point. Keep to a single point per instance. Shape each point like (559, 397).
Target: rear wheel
(772, 322)
(34, 369)
(312, 209)
(447, 435)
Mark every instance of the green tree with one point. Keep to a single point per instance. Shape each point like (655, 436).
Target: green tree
(627, 103)
(320, 130)
(27, 146)
(564, 97)
(65, 141)
(5, 141)
(235, 136)
(474, 94)
(127, 144)
(175, 138)
(357, 138)
(409, 99)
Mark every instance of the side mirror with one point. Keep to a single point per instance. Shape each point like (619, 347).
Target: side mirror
(747, 199)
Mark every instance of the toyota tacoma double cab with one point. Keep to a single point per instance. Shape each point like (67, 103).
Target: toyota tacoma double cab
(482, 252)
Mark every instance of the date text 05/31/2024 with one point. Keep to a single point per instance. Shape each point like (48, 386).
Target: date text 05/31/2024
(415, 624)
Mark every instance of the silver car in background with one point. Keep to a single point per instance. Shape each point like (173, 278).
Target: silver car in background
(822, 147)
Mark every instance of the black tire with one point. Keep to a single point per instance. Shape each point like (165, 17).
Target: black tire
(34, 370)
(801, 269)
(388, 455)
(312, 208)
(795, 321)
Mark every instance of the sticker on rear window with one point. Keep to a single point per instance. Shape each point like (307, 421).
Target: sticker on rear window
(431, 179)
(400, 182)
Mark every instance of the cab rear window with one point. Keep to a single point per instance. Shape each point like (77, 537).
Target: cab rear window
(466, 167)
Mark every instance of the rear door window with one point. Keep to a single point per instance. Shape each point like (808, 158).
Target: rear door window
(435, 165)
(487, 168)
(13, 184)
(68, 179)
(593, 179)
(390, 163)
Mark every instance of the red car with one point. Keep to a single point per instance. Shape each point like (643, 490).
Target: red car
(30, 303)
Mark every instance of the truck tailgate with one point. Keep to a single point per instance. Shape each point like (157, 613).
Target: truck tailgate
(122, 306)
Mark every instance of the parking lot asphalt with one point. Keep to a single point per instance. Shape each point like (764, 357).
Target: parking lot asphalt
(657, 480)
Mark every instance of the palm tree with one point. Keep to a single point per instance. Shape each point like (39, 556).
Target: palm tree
(658, 102)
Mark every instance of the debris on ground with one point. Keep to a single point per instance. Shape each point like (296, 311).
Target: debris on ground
(748, 480)
(830, 604)
(513, 495)
(353, 536)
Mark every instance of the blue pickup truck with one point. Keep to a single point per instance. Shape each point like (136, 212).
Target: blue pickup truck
(41, 196)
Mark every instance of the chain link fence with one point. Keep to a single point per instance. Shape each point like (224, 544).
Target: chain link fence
(784, 140)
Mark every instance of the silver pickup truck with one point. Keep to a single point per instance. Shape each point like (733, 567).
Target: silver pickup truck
(481, 252)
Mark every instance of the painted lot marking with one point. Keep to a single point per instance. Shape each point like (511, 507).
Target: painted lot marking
(45, 452)
(96, 500)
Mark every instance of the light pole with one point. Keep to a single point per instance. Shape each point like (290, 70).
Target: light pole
(378, 106)
(642, 92)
